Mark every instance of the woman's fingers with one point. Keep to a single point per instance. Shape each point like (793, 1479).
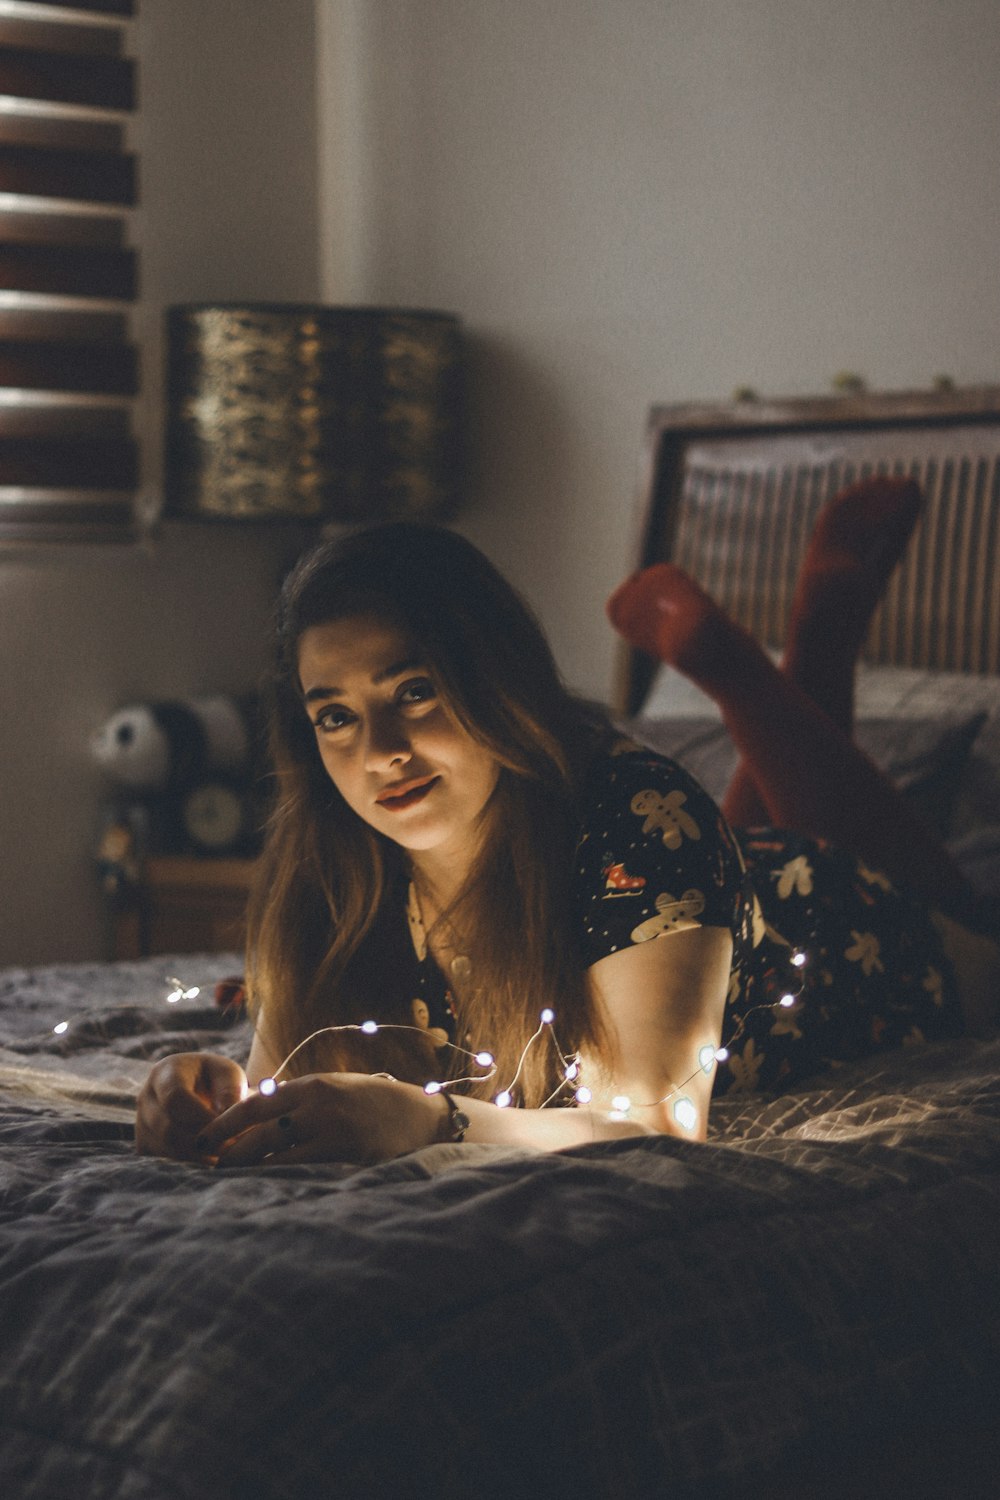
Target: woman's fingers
(322, 1117)
(224, 1081)
(275, 1140)
(280, 1139)
(180, 1097)
(255, 1109)
(257, 1126)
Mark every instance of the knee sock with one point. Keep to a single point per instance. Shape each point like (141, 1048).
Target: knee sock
(856, 543)
(808, 772)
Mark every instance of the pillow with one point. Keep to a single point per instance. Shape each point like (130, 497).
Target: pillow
(925, 757)
(674, 696)
(924, 693)
(881, 693)
(977, 803)
(702, 746)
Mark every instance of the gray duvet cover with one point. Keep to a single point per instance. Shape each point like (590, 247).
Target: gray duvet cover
(811, 1294)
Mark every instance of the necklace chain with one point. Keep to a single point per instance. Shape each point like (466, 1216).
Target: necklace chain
(459, 964)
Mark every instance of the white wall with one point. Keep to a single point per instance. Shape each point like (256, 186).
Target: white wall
(642, 200)
(229, 211)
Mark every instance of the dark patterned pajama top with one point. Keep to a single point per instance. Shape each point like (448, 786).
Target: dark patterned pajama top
(656, 856)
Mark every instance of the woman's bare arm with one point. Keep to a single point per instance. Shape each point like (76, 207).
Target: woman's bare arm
(662, 1005)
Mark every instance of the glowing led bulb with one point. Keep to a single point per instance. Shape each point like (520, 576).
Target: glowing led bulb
(173, 997)
(267, 1086)
(432, 1088)
(502, 1099)
(685, 1113)
(798, 959)
(61, 1027)
(583, 1096)
(706, 1057)
(572, 1070)
(484, 1059)
(547, 1016)
(369, 1027)
(787, 1001)
(722, 1054)
(622, 1103)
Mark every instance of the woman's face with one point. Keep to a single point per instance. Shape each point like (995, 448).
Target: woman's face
(388, 743)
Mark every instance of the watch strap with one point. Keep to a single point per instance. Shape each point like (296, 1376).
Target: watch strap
(455, 1123)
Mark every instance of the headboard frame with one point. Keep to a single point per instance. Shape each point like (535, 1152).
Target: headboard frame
(730, 493)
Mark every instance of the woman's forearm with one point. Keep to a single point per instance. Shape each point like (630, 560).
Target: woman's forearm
(545, 1129)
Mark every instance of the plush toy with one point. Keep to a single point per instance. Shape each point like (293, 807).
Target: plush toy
(188, 772)
(150, 747)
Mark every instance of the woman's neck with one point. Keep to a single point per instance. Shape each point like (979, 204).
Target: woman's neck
(439, 882)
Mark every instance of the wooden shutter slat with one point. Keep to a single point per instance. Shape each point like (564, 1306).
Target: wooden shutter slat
(69, 373)
(97, 81)
(74, 38)
(84, 176)
(82, 463)
(68, 271)
(54, 325)
(45, 417)
(62, 132)
(47, 228)
(110, 8)
(50, 366)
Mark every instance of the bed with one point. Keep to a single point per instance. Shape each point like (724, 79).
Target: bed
(809, 1305)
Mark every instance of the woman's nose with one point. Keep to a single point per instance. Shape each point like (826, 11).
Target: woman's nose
(387, 743)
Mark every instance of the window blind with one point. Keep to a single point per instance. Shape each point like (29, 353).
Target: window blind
(69, 370)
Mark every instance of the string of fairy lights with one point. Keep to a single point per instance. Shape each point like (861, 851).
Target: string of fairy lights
(571, 1089)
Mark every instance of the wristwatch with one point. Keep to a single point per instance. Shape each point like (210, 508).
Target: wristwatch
(456, 1123)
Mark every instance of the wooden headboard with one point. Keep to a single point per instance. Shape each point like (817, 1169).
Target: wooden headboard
(730, 493)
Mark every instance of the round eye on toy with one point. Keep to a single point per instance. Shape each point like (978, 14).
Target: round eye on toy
(133, 749)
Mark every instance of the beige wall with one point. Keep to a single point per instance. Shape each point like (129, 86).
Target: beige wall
(228, 172)
(639, 200)
(627, 200)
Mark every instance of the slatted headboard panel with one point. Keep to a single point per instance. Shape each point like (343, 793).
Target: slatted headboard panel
(730, 493)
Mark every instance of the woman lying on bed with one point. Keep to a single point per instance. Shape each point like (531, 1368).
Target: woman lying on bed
(533, 910)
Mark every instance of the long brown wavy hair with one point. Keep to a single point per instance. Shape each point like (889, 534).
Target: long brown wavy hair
(326, 912)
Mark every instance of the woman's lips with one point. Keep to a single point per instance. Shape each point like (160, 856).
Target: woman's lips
(410, 793)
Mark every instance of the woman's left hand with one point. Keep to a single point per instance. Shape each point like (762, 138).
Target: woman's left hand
(347, 1117)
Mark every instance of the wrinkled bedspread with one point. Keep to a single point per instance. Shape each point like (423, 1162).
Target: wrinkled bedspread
(636, 1318)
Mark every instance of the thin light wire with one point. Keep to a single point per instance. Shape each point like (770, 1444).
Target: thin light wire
(571, 1063)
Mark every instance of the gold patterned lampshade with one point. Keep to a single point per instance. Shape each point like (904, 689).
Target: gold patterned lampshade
(313, 413)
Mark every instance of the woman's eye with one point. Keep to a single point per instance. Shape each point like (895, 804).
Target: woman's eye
(333, 718)
(419, 690)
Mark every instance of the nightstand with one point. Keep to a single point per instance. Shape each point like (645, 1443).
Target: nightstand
(184, 905)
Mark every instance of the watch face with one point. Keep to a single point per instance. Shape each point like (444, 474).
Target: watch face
(213, 815)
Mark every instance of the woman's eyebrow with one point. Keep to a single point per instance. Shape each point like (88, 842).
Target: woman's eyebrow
(396, 670)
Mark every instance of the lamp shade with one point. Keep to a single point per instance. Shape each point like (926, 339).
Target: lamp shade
(313, 413)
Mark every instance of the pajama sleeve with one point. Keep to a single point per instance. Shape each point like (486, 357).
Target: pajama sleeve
(655, 855)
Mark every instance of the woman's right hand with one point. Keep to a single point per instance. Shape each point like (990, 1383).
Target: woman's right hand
(182, 1095)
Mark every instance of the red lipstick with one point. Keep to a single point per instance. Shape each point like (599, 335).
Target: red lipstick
(401, 794)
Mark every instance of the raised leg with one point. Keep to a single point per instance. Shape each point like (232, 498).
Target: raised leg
(808, 772)
(856, 543)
